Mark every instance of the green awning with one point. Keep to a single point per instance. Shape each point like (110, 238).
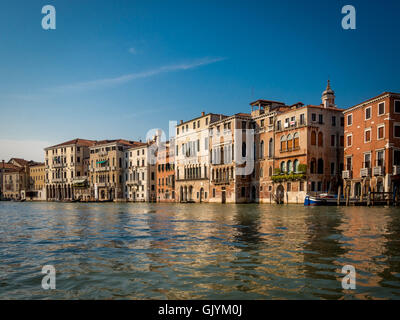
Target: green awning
(101, 162)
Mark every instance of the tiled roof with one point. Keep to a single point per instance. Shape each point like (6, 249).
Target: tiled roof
(79, 142)
(21, 162)
(5, 165)
(120, 141)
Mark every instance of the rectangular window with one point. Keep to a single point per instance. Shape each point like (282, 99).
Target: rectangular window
(262, 123)
(368, 113)
(332, 168)
(333, 121)
(302, 120)
(396, 157)
(349, 140)
(381, 108)
(397, 106)
(396, 130)
(380, 156)
(367, 160)
(381, 132)
(342, 141)
(367, 135)
(313, 117)
(320, 119)
(349, 120)
(342, 121)
(332, 140)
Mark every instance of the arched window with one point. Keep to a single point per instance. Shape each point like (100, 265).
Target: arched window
(289, 142)
(270, 171)
(283, 143)
(296, 141)
(313, 138)
(296, 165)
(290, 166)
(320, 139)
(312, 165)
(320, 166)
(261, 172)
(283, 166)
(271, 148)
(244, 149)
(262, 149)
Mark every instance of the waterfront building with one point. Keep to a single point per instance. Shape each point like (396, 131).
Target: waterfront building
(372, 145)
(64, 166)
(107, 169)
(15, 182)
(4, 168)
(165, 172)
(228, 145)
(36, 189)
(308, 155)
(192, 160)
(140, 172)
(264, 114)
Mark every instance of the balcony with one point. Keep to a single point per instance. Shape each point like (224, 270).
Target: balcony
(58, 165)
(348, 174)
(396, 170)
(102, 169)
(365, 172)
(220, 181)
(378, 171)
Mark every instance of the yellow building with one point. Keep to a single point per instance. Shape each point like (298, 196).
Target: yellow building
(37, 174)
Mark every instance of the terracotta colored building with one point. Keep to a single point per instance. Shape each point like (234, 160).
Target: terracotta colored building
(372, 145)
(165, 173)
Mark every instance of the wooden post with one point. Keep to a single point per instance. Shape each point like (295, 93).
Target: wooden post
(373, 196)
(369, 199)
(338, 196)
(347, 195)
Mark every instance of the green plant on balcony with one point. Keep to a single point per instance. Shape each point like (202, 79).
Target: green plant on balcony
(302, 168)
(288, 177)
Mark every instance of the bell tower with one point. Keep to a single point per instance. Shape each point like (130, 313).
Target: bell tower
(328, 97)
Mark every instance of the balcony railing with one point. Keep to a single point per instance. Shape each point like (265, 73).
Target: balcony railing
(348, 174)
(365, 172)
(378, 171)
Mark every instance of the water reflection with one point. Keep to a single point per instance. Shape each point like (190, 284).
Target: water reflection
(173, 251)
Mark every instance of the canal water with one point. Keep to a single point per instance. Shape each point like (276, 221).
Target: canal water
(189, 251)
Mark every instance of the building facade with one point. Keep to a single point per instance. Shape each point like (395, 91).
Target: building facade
(140, 172)
(372, 145)
(192, 160)
(64, 166)
(165, 172)
(37, 188)
(107, 168)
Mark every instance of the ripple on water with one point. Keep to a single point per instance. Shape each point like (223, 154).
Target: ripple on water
(151, 251)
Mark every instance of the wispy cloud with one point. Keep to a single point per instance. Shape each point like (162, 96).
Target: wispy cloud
(107, 82)
(132, 50)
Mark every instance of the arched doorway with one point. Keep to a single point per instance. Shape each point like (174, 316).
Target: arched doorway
(253, 194)
(280, 194)
(201, 194)
(357, 189)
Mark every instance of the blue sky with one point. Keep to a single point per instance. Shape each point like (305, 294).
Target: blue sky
(115, 69)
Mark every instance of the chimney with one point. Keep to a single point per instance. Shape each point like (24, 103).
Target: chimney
(181, 121)
(203, 113)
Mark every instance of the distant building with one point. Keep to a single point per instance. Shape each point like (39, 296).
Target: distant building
(165, 172)
(64, 167)
(140, 172)
(372, 145)
(229, 150)
(5, 167)
(37, 176)
(192, 161)
(107, 159)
